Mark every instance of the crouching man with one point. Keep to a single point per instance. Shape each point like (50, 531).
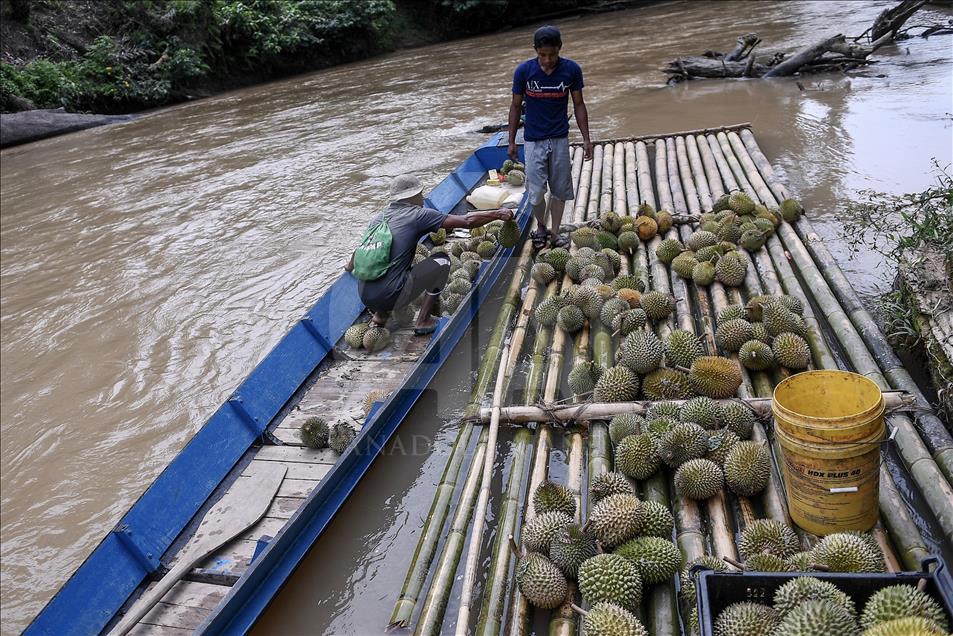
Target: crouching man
(382, 263)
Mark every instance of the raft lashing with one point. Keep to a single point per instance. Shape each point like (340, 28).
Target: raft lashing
(685, 174)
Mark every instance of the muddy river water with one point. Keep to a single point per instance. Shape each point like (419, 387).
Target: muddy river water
(147, 267)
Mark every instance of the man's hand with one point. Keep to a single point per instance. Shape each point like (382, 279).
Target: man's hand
(504, 214)
(587, 150)
(512, 151)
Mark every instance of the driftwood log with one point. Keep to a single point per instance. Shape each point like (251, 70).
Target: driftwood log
(831, 54)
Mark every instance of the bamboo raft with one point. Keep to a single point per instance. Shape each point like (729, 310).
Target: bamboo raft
(683, 173)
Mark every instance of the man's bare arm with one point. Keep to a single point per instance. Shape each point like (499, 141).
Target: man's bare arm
(476, 219)
(582, 120)
(516, 106)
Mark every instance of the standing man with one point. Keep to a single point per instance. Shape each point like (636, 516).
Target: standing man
(545, 83)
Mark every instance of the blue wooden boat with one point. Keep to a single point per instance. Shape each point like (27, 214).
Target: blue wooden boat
(249, 429)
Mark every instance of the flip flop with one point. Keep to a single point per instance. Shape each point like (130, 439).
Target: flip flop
(539, 238)
(423, 331)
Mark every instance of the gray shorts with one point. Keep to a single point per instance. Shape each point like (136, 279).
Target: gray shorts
(548, 161)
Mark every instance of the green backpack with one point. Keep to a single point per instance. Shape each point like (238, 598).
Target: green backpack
(372, 256)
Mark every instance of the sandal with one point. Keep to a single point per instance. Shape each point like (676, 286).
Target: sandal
(559, 240)
(539, 238)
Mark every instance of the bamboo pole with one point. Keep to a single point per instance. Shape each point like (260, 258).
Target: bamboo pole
(494, 597)
(644, 174)
(936, 436)
(608, 162)
(433, 526)
(476, 534)
(696, 131)
(618, 180)
(631, 179)
(592, 206)
(582, 194)
(937, 491)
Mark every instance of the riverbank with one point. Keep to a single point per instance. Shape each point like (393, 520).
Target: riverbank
(69, 62)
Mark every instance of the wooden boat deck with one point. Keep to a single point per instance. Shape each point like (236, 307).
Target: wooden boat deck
(338, 392)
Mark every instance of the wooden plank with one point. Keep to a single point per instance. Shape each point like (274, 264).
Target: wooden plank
(185, 606)
(178, 616)
(299, 454)
(158, 630)
(404, 346)
(296, 470)
(189, 594)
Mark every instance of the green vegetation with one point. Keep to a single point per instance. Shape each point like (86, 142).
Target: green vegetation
(125, 55)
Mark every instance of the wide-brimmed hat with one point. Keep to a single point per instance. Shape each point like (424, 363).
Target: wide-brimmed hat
(405, 186)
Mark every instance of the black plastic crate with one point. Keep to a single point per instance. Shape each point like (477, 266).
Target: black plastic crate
(718, 590)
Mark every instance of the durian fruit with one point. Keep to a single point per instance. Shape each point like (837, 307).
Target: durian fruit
(664, 220)
(628, 281)
(719, 443)
(731, 269)
(740, 203)
(459, 286)
(592, 272)
(703, 411)
(631, 296)
(615, 259)
(708, 253)
(623, 425)
(910, 626)
(731, 334)
(540, 581)
(700, 239)
(591, 302)
(768, 536)
(684, 264)
(667, 384)
(721, 204)
(703, 274)
(641, 351)
(747, 468)
(761, 333)
(729, 232)
(486, 249)
(818, 618)
(902, 601)
(610, 578)
(628, 241)
(377, 395)
(658, 305)
(615, 519)
(682, 347)
(472, 268)
(617, 384)
(656, 559)
(556, 257)
(543, 273)
(610, 221)
(584, 237)
(668, 249)
(746, 619)
(421, 250)
(715, 377)
(807, 588)
(607, 239)
(731, 312)
(439, 237)
(572, 548)
(791, 210)
(756, 355)
(314, 433)
(612, 308)
(540, 531)
(354, 336)
(516, 177)
(449, 302)
(376, 338)
(753, 240)
(461, 272)
(764, 562)
(791, 351)
(570, 319)
(509, 234)
(659, 427)
(608, 484)
(738, 418)
(684, 442)
(801, 561)
(637, 457)
(553, 497)
(607, 619)
(779, 319)
(583, 377)
(663, 409)
(657, 520)
(547, 311)
(341, 436)
(646, 228)
(629, 321)
(699, 479)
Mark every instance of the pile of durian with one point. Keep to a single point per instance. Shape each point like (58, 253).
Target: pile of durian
(806, 606)
(767, 332)
(624, 548)
(466, 256)
(717, 250)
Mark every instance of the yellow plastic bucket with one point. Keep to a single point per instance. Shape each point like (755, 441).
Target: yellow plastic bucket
(830, 425)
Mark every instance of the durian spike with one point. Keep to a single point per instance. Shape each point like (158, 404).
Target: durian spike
(432, 531)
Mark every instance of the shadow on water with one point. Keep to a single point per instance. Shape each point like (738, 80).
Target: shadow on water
(147, 267)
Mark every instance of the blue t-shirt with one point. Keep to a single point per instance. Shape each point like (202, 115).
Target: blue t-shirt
(546, 96)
